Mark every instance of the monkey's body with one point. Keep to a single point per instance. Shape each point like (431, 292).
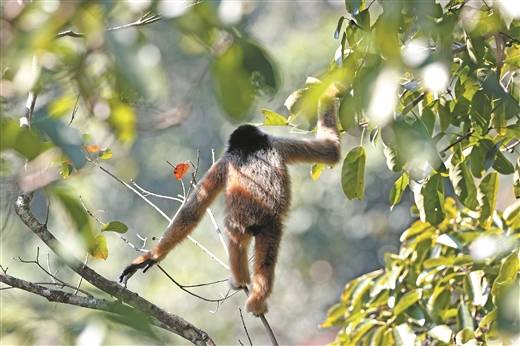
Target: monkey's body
(253, 174)
(257, 188)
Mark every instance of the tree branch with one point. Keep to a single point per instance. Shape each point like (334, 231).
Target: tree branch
(170, 321)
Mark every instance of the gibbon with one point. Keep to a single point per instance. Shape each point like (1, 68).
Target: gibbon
(253, 174)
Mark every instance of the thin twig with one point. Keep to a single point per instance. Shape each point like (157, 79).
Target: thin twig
(74, 110)
(460, 139)
(212, 300)
(36, 261)
(245, 328)
(149, 193)
(81, 277)
(141, 21)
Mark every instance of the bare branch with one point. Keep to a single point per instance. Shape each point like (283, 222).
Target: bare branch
(170, 321)
(218, 300)
(146, 19)
(245, 328)
(62, 297)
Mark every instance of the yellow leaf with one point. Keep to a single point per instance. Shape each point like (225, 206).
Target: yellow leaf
(100, 249)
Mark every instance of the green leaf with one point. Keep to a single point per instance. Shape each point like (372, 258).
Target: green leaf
(316, 170)
(464, 185)
(507, 274)
(512, 215)
(233, 87)
(273, 119)
(445, 117)
(115, 226)
(516, 179)
(262, 70)
(106, 154)
(464, 318)
(428, 119)
(431, 200)
(393, 161)
(100, 249)
(21, 139)
(396, 193)
(480, 113)
(78, 215)
(502, 164)
(62, 106)
(476, 160)
(487, 195)
(348, 110)
(407, 300)
(339, 27)
(335, 315)
(353, 173)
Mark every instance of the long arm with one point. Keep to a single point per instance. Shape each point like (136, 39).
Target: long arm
(185, 221)
(325, 148)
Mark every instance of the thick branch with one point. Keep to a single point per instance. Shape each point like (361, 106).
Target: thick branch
(173, 323)
(59, 296)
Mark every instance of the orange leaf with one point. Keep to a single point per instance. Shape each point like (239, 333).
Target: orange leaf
(180, 170)
(92, 148)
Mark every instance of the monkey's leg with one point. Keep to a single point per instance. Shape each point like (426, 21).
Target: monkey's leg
(237, 246)
(266, 252)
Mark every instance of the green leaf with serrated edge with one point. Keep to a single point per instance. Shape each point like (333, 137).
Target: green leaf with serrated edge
(393, 161)
(115, 226)
(464, 185)
(487, 196)
(407, 300)
(316, 170)
(396, 193)
(353, 173)
(273, 119)
(100, 249)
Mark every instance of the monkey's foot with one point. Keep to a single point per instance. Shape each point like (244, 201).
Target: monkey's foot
(256, 306)
(238, 284)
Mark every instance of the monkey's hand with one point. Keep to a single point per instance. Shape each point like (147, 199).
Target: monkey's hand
(145, 261)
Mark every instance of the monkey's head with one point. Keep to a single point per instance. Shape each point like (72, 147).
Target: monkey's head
(247, 139)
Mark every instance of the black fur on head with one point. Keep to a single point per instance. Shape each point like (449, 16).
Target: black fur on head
(248, 139)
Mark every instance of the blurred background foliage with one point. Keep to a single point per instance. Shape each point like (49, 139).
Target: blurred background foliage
(431, 111)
